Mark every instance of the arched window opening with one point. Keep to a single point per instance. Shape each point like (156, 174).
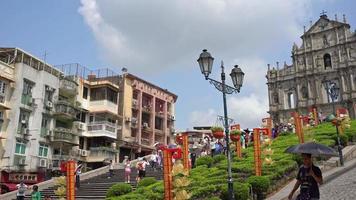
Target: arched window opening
(327, 61)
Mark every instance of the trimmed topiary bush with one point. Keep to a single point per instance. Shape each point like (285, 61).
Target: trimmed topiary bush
(241, 191)
(205, 160)
(119, 189)
(260, 185)
(147, 181)
(219, 158)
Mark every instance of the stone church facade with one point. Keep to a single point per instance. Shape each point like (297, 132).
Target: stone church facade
(328, 52)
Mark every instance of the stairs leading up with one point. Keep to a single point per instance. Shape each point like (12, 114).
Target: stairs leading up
(96, 187)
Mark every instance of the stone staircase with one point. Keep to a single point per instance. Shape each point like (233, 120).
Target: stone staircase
(96, 187)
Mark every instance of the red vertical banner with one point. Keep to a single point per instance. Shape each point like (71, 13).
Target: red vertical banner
(257, 151)
(267, 123)
(298, 127)
(238, 149)
(167, 176)
(316, 117)
(185, 151)
(70, 180)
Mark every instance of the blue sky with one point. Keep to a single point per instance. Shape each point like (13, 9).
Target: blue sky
(161, 40)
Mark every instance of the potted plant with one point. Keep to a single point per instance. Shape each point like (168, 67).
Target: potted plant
(235, 135)
(179, 139)
(218, 132)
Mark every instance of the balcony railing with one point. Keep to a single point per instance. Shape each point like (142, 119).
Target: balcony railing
(103, 105)
(99, 154)
(102, 129)
(68, 87)
(65, 110)
(145, 141)
(64, 135)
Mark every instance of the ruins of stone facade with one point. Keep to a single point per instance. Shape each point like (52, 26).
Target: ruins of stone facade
(328, 52)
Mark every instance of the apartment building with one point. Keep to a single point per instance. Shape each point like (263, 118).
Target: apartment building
(29, 87)
(148, 116)
(98, 120)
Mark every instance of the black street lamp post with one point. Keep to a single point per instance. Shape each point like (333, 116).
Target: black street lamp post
(333, 91)
(206, 63)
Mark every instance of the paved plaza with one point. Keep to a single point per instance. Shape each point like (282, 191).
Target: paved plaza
(342, 187)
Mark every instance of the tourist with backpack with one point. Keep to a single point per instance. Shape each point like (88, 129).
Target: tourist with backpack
(141, 168)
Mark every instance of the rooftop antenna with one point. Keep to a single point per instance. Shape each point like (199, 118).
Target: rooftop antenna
(45, 56)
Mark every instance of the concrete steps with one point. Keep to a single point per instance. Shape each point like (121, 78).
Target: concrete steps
(97, 187)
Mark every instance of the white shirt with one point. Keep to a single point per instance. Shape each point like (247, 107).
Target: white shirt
(21, 189)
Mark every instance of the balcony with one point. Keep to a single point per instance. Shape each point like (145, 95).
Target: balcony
(64, 135)
(65, 111)
(147, 108)
(145, 141)
(68, 87)
(3, 103)
(135, 104)
(102, 129)
(99, 154)
(103, 106)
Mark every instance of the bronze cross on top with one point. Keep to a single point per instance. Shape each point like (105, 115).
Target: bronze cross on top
(323, 13)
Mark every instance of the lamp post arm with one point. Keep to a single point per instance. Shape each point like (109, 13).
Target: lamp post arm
(219, 86)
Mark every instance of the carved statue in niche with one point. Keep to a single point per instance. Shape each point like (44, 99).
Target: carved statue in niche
(304, 92)
(325, 40)
(318, 61)
(275, 98)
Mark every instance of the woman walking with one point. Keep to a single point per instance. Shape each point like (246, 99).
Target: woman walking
(127, 170)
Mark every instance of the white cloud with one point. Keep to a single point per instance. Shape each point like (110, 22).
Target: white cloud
(158, 35)
(149, 35)
(203, 118)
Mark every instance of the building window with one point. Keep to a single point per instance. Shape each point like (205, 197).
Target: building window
(43, 150)
(2, 88)
(45, 125)
(291, 100)
(327, 61)
(85, 93)
(49, 92)
(304, 92)
(20, 148)
(23, 121)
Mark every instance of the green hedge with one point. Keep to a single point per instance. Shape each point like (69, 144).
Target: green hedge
(241, 191)
(119, 189)
(259, 184)
(205, 160)
(147, 181)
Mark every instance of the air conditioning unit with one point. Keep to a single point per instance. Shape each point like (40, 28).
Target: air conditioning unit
(134, 102)
(24, 121)
(173, 117)
(79, 152)
(49, 104)
(43, 163)
(22, 161)
(145, 125)
(128, 119)
(80, 126)
(49, 89)
(134, 120)
(84, 153)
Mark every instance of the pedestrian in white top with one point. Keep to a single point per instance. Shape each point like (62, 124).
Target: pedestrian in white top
(111, 169)
(21, 189)
(153, 160)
